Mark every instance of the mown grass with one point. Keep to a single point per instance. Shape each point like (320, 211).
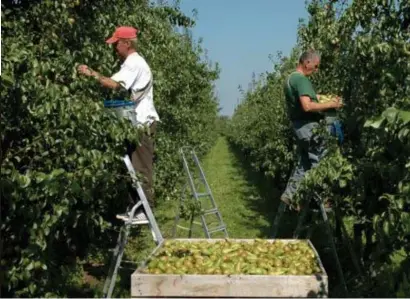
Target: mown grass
(245, 209)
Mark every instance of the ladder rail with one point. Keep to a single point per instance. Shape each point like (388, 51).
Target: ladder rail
(143, 199)
(193, 189)
(332, 243)
(116, 262)
(125, 230)
(202, 173)
(209, 191)
(111, 270)
(185, 151)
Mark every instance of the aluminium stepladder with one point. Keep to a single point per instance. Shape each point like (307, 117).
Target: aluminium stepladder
(323, 213)
(130, 222)
(199, 197)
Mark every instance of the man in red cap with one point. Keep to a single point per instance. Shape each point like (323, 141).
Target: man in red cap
(136, 77)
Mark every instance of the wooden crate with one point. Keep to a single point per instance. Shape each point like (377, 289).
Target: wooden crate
(229, 286)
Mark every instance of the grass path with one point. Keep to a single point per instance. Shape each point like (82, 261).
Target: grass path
(247, 204)
(239, 201)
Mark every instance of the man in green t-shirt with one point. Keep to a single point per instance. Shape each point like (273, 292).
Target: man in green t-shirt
(304, 112)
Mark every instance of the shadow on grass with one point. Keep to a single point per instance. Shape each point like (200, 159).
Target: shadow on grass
(264, 198)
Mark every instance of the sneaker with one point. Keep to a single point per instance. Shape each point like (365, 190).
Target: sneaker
(139, 218)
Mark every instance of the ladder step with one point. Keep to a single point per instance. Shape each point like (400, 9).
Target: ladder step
(217, 229)
(211, 211)
(138, 219)
(327, 210)
(129, 262)
(202, 194)
(184, 227)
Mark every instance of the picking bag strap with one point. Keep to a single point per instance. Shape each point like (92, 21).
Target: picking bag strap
(140, 94)
(288, 81)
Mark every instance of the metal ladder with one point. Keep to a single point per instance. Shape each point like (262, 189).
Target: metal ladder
(323, 212)
(199, 198)
(129, 222)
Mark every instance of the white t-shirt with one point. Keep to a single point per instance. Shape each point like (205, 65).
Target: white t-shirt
(134, 75)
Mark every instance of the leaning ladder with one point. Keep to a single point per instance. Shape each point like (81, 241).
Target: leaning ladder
(301, 226)
(129, 222)
(199, 198)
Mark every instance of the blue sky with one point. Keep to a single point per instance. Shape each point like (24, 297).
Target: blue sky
(240, 35)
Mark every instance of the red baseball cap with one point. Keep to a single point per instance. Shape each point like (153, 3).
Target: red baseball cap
(122, 32)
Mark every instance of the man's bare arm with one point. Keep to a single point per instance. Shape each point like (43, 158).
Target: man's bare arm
(309, 106)
(104, 81)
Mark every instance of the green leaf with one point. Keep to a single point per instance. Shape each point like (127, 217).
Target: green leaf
(7, 79)
(390, 114)
(32, 288)
(342, 183)
(30, 266)
(386, 228)
(374, 123)
(25, 181)
(57, 172)
(40, 177)
(76, 188)
(404, 116)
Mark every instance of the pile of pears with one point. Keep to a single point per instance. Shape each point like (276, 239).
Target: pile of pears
(324, 98)
(226, 257)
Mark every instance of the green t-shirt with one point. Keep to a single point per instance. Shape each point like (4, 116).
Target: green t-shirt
(297, 85)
